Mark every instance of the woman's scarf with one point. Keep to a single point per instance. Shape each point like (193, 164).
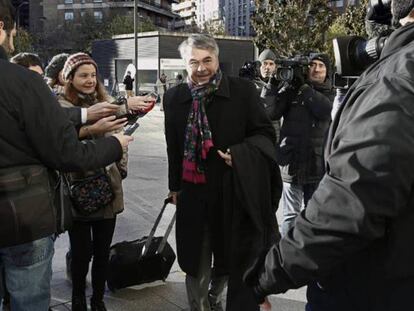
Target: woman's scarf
(198, 138)
(88, 99)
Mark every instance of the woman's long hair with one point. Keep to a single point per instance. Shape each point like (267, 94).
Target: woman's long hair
(72, 94)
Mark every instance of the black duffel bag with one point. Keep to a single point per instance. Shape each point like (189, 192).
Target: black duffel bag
(27, 211)
(144, 260)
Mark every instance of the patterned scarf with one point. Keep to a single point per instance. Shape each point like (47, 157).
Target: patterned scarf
(88, 99)
(198, 138)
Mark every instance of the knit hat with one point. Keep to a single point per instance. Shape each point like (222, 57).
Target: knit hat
(74, 61)
(267, 55)
(55, 66)
(324, 58)
(401, 8)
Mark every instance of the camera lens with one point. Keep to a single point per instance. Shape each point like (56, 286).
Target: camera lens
(285, 74)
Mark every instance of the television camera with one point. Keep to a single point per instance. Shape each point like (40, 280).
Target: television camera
(353, 54)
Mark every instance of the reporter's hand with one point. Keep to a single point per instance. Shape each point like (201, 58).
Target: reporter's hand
(101, 110)
(273, 81)
(299, 78)
(266, 306)
(138, 103)
(124, 140)
(173, 195)
(107, 124)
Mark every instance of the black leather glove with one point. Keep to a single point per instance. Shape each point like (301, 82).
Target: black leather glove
(251, 275)
(273, 80)
(298, 77)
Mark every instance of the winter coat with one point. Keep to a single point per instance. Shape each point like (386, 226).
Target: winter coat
(34, 130)
(234, 115)
(252, 191)
(114, 173)
(269, 96)
(128, 81)
(356, 235)
(306, 118)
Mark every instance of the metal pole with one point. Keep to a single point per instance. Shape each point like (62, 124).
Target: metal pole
(136, 43)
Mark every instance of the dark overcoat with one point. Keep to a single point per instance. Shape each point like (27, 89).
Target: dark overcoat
(356, 235)
(234, 114)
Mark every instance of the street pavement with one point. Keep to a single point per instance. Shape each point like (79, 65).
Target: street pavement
(144, 191)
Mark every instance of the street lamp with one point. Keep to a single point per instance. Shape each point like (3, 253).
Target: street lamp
(136, 44)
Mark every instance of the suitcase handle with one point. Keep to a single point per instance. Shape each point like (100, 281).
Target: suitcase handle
(166, 235)
(154, 228)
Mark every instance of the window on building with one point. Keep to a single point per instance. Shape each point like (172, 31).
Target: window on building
(69, 16)
(97, 1)
(68, 1)
(98, 15)
(82, 13)
(339, 4)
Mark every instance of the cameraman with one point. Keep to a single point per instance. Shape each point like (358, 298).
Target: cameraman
(305, 122)
(356, 236)
(268, 88)
(35, 135)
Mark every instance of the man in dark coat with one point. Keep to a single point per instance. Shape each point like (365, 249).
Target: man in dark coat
(218, 139)
(306, 112)
(269, 87)
(355, 237)
(128, 82)
(35, 134)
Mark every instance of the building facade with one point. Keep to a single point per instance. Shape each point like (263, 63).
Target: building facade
(237, 16)
(233, 15)
(23, 13)
(341, 5)
(158, 53)
(55, 13)
(187, 10)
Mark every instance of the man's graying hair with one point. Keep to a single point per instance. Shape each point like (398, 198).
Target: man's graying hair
(198, 41)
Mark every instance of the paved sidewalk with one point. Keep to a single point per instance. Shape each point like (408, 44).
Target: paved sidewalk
(144, 189)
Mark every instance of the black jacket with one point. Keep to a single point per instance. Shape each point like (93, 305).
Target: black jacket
(306, 117)
(253, 189)
(74, 115)
(128, 82)
(234, 114)
(273, 103)
(356, 235)
(35, 130)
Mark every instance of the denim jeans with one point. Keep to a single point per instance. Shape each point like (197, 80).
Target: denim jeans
(292, 197)
(28, 271)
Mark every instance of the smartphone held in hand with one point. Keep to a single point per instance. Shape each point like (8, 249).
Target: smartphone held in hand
(131, 129)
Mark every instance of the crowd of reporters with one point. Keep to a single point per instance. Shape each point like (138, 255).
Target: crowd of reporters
(43, 139)
(337, 231)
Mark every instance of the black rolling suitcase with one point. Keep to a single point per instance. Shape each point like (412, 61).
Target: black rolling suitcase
(141, 261)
